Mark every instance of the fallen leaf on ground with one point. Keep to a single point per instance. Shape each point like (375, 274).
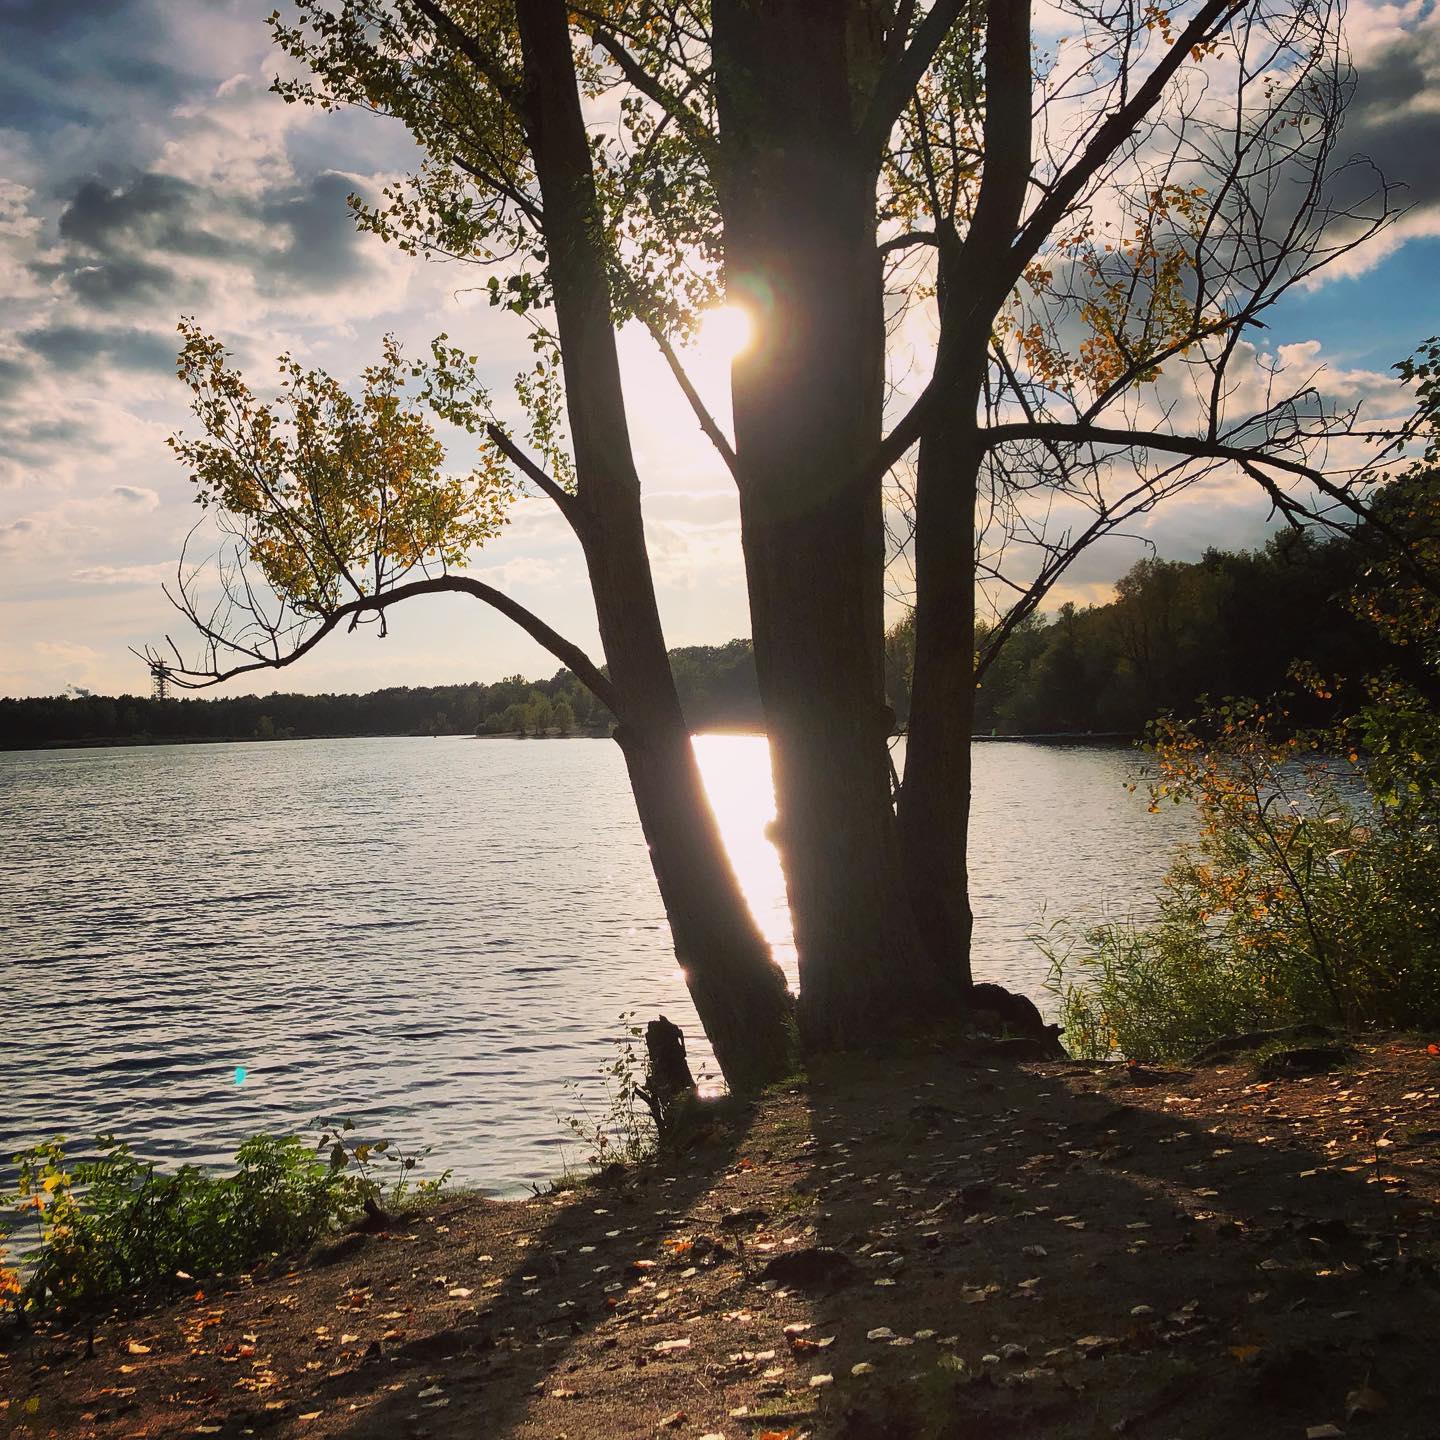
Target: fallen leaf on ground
(1364, 1401)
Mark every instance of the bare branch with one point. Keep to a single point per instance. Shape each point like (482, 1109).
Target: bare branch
(905, 241)
(1200, 446)
(707, 421)
(565, 502)
(691, 125)
(564, 650)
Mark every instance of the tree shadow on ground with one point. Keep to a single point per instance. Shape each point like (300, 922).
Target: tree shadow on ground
(1126, 1268)
(1001, 1250)
(578, 1252)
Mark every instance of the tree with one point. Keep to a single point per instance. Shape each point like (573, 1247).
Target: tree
(539, 713)
(1100, 265)
(563, 717)
(630, 162)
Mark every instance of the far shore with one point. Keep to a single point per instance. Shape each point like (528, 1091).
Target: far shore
(1107, 737)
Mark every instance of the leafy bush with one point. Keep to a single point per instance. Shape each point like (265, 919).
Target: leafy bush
(116, 1224)
(1309, 896)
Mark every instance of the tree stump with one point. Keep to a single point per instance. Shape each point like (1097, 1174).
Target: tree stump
(668, 1081)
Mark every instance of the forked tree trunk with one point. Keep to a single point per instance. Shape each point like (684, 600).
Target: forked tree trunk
(798, 202)
(738, 990)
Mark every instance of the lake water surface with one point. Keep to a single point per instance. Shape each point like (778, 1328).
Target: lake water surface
(433, 936)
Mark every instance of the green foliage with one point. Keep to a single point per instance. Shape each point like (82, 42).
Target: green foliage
(1231, 623)
(380, 1171)
(334, 495)
(1309, 895)
(114, 1225)
(623, 1131)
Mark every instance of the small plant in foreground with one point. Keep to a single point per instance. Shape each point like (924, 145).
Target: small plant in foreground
(10, 1289)
(381, 1171)
(114, 1225)
(624, 1132)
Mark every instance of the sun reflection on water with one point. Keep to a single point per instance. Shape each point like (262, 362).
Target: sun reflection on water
(736, 773)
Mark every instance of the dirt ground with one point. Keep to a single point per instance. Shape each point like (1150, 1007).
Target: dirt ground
(930, 1246)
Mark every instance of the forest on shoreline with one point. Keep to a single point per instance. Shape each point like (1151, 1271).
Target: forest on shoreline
(1230, 623)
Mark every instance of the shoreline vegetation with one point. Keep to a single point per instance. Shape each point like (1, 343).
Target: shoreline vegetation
(922, 1245)
(1175, 632)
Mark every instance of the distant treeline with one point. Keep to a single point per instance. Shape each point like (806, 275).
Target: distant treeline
(717, 688)
(1227, 624)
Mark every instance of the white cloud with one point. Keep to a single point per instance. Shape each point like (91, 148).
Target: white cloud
(126, 576)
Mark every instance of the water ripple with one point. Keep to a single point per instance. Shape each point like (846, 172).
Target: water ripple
(434, 937)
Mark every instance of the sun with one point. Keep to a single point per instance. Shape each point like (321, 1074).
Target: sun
(725, 332)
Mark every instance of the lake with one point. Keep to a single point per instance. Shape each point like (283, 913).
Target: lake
(435, 937)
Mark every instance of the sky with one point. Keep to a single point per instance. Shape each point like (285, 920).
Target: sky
(146, 171)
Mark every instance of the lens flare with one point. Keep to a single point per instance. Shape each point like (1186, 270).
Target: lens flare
(726, 331)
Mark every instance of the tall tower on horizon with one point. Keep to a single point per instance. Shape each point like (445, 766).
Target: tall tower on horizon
(159, 681)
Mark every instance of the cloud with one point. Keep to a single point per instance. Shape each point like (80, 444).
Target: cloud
(15, 371)
(1393, 122)
(125, 575)
(523, 572)
(159, 239)
(65, 650)
(136, 495)
(74, 347)
(15, 533)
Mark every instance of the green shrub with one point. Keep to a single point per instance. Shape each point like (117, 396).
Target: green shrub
(115, 1225)
(1310, 894)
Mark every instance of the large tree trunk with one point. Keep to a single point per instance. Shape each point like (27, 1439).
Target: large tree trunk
(738, 990)
(798, 200)
(934, 808)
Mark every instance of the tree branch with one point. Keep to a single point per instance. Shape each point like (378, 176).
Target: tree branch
(565, 502)
(564, 650)
(690, 124)
(986, 297)
(1248, 458)
(1197, 445)
(1008, 146)
(471, 49)
(707, 421)
(1117, 127)
(899, 80)
(907, 240)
